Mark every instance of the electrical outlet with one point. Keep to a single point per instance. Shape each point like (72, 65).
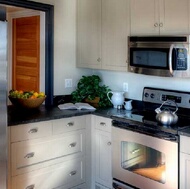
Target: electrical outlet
(125, 87)
(68, 83)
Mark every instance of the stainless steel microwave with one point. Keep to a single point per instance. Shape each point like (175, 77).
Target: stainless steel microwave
(159, 55)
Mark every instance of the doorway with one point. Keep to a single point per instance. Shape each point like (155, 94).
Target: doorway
(49, 17)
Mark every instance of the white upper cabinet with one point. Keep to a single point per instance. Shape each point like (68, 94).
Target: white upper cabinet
(89, 33)
(159, 17)
(102, 31)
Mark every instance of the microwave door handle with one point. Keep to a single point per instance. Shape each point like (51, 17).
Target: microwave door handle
(170, 59)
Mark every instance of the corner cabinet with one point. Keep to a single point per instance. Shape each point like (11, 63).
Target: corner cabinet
(49, 154)
(101, 153)
(102, 31)
(184, 162)
(160, 17)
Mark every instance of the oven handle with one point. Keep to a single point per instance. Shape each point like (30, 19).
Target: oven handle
(170, 59)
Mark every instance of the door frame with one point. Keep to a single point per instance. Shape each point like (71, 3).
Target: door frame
(49, 32)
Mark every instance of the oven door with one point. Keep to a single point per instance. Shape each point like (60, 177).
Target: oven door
(144, 161)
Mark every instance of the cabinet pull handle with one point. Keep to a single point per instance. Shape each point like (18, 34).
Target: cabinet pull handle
(72, 144)
(29, 155)
(70, 124)
(103, 124)
(33, 130)
(156, 25)
(30, 187)
(72, 173)
(109, 143)
(161, 24)
(135, 151)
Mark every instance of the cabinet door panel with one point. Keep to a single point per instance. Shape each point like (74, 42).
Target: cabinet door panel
(144, 17)
(184, 171)
(89, 33)
(115, 30)
(103, 158)
(174, 16)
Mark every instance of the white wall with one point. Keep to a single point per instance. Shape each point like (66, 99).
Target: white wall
(65, 45)
(65, 58)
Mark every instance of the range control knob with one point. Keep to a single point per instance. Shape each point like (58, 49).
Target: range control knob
(146, 95)
(152, 95)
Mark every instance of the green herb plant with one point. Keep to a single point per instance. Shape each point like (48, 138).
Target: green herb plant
(89, 87)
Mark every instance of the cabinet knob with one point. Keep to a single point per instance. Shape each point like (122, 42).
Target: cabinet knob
(99, 59)
(70, 124)
(29, 155)
(72, 173)
(72, 144)
(103, 124)
(156, 25)
(161, 24)
(33, 130)
(109, 143)
(30, 187)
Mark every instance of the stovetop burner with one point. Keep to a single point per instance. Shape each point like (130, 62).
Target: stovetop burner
(145, 118)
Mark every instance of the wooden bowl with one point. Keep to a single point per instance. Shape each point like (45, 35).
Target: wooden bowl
(28, 103)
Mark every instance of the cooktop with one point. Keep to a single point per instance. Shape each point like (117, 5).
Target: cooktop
(145, 116)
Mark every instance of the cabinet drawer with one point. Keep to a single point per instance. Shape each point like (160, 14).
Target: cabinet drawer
(68, 124)
(103, 124)
(30, 155)
(63, 176)
(30, 131)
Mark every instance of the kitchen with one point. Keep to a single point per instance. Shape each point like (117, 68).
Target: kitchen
(65, 60)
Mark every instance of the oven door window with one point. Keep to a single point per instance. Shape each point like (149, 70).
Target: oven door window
(143, 160)
(155, 58)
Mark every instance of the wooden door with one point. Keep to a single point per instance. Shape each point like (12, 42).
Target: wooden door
(26, 53)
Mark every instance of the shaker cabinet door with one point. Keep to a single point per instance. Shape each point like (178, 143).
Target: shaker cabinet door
(115, 32)
(174, 17)
(89, 33)
(144, 17)
(103, 158)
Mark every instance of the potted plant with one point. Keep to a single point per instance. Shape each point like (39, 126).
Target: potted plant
(90, 90)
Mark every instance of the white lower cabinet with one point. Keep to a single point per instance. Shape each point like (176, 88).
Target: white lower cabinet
(184, 162)
(48, 157)
(101, 153)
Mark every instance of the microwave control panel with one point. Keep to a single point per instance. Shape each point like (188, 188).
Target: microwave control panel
(180, 59)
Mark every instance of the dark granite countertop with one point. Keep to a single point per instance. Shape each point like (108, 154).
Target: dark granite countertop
(22, 116)
(43, 113)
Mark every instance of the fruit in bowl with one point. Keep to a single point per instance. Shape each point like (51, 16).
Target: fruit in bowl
(26, 99)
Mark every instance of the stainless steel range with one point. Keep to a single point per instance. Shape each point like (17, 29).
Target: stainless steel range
(145, 152)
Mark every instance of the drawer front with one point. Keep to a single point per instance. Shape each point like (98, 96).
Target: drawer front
(30, 155)
(103, 124)
(68, 124)
(63, 176)
(30, 131)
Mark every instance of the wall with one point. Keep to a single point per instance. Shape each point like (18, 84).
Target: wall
(65, 58)
(65, 45)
